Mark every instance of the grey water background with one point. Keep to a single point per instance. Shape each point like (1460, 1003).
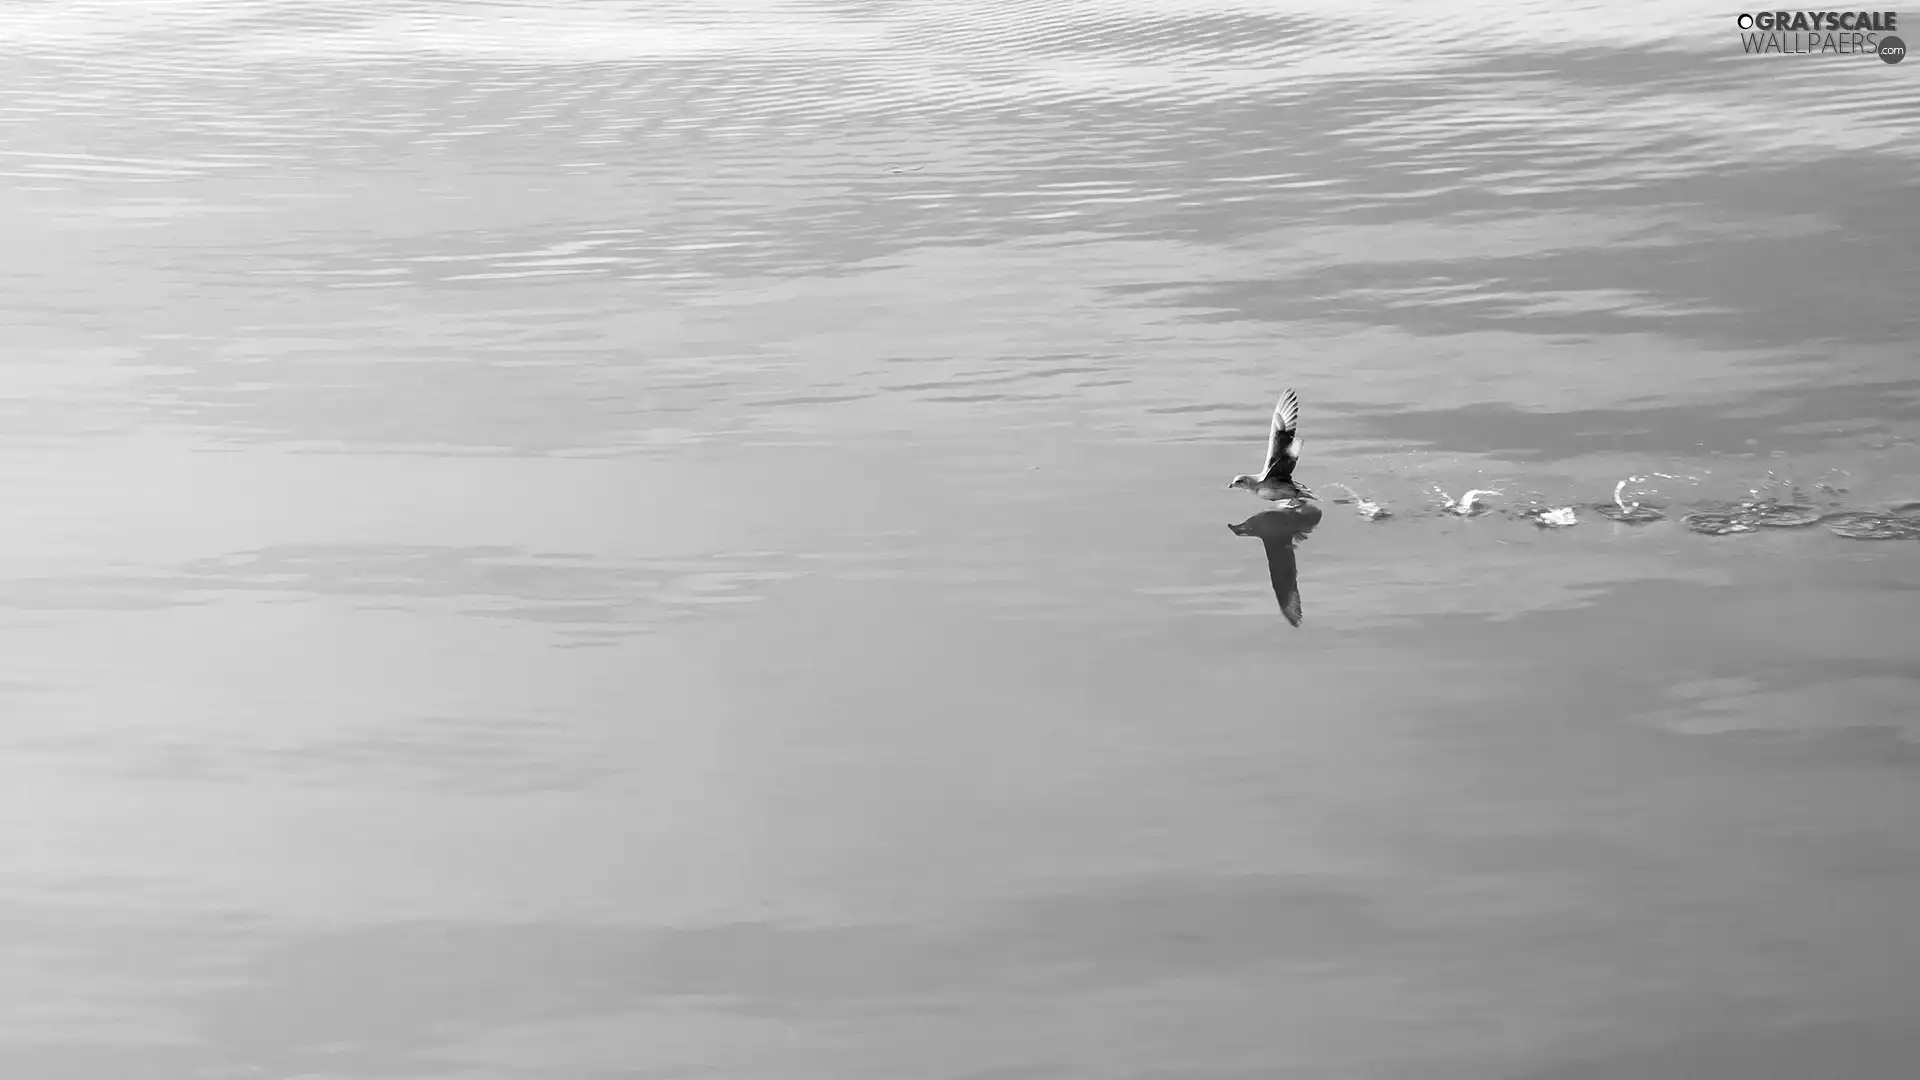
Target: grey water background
(686, 540)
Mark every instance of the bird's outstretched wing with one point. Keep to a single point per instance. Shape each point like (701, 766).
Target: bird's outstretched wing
(1284, 570)
(1283, 441)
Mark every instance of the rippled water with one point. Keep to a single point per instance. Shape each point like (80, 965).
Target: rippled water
(682, 540)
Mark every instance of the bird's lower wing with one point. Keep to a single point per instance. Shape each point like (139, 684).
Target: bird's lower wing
(1284, 570)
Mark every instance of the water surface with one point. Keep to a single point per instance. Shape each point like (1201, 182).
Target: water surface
(689, 540)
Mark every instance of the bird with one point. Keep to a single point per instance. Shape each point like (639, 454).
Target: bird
(1275, 482)
(1279, 531)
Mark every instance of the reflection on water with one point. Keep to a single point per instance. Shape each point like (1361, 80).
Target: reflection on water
(1280, 532)
(569, 540)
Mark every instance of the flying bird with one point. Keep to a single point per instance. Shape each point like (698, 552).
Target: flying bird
(1275, 481)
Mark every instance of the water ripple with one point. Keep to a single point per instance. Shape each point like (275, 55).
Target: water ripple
(587, 600)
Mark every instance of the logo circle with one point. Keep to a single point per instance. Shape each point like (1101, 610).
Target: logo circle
(1892, 49)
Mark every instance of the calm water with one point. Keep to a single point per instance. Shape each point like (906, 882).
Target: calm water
(683, 540)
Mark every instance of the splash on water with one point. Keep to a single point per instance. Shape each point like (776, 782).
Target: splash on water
(1779, 515)
(1466, 504)
(1791, 508)
(1718, 519)
(1622, 486)
(1638, 515)
(1556, 519)
(1632, 512)
(1871, 525)
(1367, 508)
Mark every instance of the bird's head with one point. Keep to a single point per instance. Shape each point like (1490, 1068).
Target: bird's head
(1242, 481)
